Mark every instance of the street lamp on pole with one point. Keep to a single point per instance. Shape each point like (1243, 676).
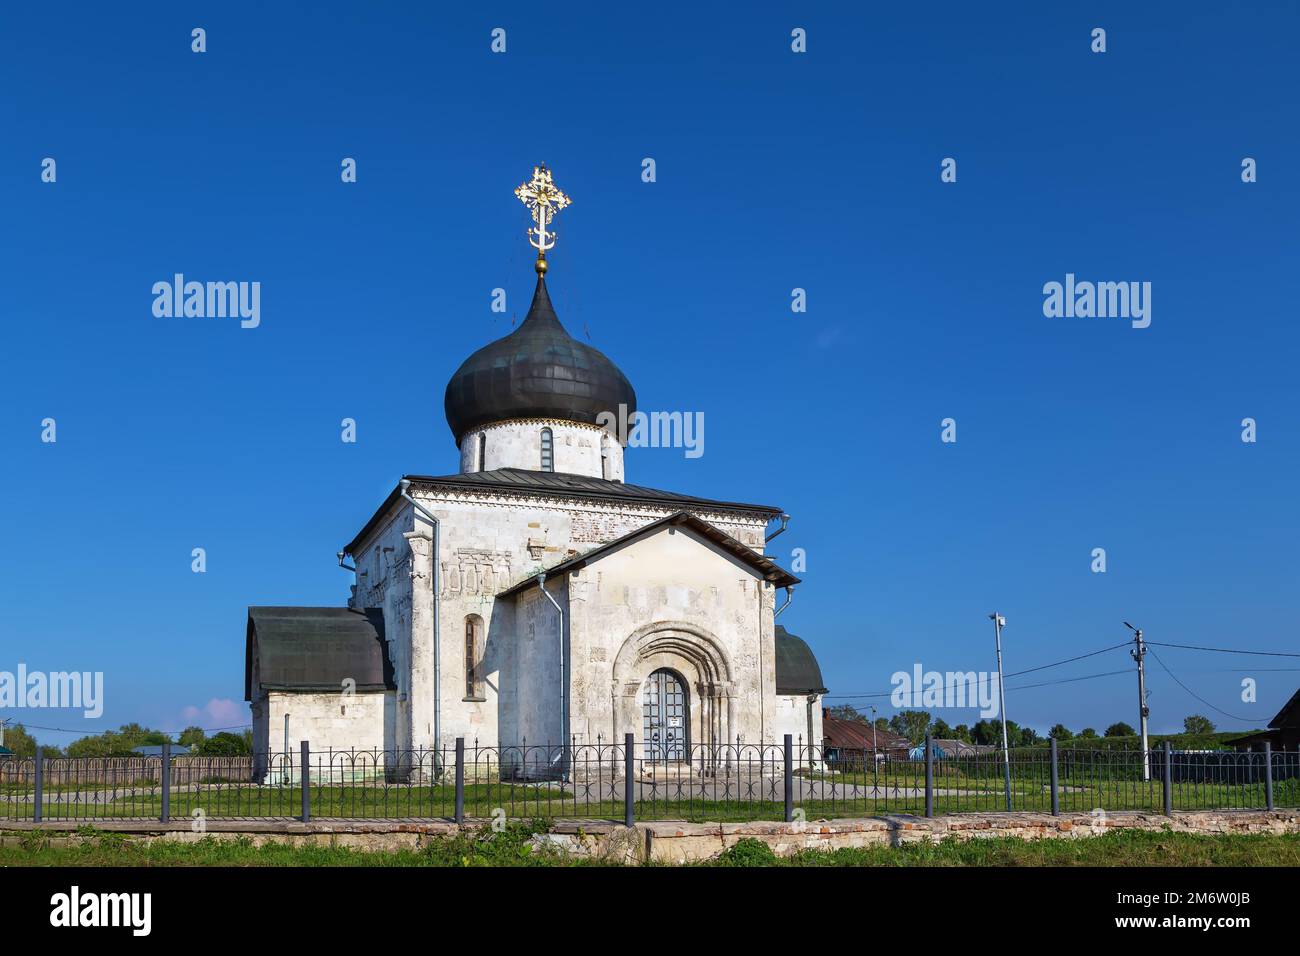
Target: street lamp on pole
(875, 752)
(998, 622)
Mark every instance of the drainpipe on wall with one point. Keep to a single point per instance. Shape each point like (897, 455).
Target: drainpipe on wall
(789, 596)
(564, 766)
(812, 700)
(437, 635)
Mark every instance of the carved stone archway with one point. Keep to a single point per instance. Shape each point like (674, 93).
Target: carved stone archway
(693, 653)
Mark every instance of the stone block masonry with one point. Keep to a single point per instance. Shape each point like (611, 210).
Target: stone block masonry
(668, 842)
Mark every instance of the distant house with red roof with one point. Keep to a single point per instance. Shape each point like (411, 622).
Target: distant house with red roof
(849, 742)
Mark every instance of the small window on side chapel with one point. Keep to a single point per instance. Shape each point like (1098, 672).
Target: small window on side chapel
(548, 461)
(482, 452)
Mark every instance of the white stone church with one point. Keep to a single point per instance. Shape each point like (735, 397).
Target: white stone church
(535, 595)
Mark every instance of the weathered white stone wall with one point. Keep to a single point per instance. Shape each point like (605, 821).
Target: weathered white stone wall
(360, 721)
(488, 542)
(383, 580)
(792, 719)
(575, 449)
(672, 600)
(542, 655)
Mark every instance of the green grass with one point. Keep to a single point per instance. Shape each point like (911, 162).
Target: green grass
(1124, 848)
(27, 788)
(511, 847)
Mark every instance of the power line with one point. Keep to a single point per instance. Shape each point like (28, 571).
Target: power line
(1224, 650)
(1249, 720)
(1069, 680)
(1047, 683)
(1069, 660)
(85, 731)
(1031, 670)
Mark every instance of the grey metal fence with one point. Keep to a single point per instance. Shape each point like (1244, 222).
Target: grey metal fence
(627, 781)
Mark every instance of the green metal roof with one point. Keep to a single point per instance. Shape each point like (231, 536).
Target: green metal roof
(797, 671)
(316, 648)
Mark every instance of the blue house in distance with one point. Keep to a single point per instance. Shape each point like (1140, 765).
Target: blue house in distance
(918, 752)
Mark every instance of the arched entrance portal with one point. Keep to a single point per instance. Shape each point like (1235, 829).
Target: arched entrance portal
(699, 667)
(665, 716)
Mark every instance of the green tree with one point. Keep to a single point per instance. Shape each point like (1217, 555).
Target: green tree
(882, 723)
(941, 730)
(19, 740)
(1198, 725)
(191, 737)
(911, 724)
(1088, 733)
(224, 744)
(1120, 729)
(116, 743)
(1060, 732)
(846, 712)
(23, 744)
(961, 732)
(1026, 737)
(986, 732)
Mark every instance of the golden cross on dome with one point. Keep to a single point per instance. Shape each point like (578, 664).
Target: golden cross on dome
(543, 199)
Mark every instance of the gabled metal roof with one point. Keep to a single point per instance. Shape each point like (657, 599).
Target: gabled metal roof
(1289, 715)
(317, 648)
(763, 566)
(520, 481)
(859, 735)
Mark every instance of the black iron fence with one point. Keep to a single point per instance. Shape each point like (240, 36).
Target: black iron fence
(629, 781)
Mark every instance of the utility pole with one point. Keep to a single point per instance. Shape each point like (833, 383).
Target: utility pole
(998, 622)
(1139, 654)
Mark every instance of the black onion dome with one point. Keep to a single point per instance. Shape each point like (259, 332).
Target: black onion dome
(537, 371)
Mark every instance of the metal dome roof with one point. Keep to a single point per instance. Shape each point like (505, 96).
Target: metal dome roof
(537, 371)
(797, 671)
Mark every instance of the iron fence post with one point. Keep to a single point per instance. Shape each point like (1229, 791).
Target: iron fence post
(38, 775)
(929, 777)
(460, 779)
(1056, 794)
(1268, 775)
(166, 782)
(789, 778)
(304, 777)
(629, 762)
(1169, 779)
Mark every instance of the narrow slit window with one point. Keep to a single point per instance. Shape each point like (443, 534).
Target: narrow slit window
(473, 632)
(548, 458)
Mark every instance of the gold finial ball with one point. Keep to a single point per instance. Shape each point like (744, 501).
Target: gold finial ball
(541, 265)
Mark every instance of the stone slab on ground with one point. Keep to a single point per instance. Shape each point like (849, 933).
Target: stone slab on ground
(679, 842)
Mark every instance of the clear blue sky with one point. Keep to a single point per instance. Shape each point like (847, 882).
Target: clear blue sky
(775, 171)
